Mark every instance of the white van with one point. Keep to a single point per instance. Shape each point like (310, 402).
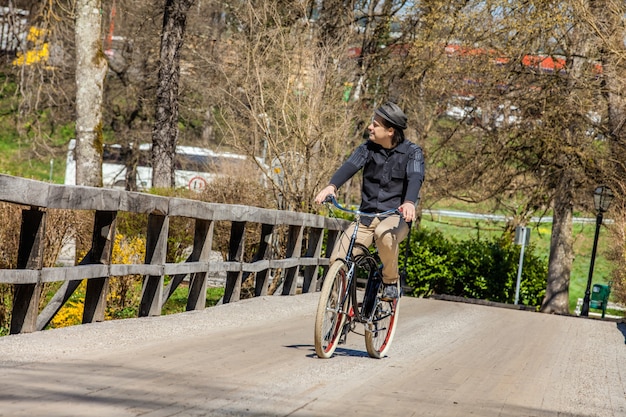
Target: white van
(194, 167)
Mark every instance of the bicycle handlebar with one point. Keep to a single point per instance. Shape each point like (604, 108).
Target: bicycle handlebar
(331, 199)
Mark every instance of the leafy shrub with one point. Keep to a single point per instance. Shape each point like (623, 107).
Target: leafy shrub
(474, 268)
(429, 265)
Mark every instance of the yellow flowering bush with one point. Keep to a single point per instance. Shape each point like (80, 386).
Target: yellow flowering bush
(72, 311)
(39, 53)
(123, 292)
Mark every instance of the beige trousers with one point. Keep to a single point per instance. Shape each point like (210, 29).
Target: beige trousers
(386, 234)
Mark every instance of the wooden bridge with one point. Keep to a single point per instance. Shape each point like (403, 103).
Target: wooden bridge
(304, 238)
(255, 357)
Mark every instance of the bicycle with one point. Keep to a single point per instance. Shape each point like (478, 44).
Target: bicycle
(341, 306)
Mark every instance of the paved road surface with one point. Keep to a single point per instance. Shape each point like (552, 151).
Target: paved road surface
(255, 358)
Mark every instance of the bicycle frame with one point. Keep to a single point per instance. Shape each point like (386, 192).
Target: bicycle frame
(365, 312)
(338, 308)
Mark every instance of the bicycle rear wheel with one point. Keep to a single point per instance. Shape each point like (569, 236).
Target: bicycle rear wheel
(331, 312)
(379, 333)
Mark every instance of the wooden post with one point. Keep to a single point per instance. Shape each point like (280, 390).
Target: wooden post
(314, 250)
(232, 290)
(202, 245)
(29, 256)
(261, 283)
(294, 249)
(156, 252)
(332, 237)
(101, 249)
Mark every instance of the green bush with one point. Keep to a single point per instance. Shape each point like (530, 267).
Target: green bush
(474, 268)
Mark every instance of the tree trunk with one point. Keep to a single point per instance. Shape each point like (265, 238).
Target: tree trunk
(561, 250)
(91, 67)
(165, 133)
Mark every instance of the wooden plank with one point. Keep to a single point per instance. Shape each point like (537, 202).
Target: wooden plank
(202, 245)
(304, 261)
(83, 198)
(102, 247)
(294, 249)
(265, 216)
(314, 221)
(284, 263)
(323, 262)
(224, 266)
(185, 268)
(143, 203)
(29, 256)
(331, 240)
(291, 218)
(237, 213)
(20, 276)
(232, 289)
(156, 251)
(69, 273)
(332, 223)
(314, 249)
(120, 270)
(22, 191)
(257, 266)
(260, 267)
(191, 208)
(95, 299)
(203, 233)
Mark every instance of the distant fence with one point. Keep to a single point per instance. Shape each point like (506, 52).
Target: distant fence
(438, 214)
(305, 233)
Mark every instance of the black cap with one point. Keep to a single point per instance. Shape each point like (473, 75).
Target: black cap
(393, 114)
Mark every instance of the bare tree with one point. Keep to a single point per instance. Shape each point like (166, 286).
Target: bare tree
(165, 134)
(604, 20)
(91, 67)
(282, 99)
(499, 61)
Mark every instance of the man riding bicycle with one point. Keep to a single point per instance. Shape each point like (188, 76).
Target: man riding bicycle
(393, 172)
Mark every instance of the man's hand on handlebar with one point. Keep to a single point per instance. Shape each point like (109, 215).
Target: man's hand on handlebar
(407, 210)
(323, 195)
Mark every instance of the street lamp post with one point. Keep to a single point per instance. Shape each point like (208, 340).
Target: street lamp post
(602, 197)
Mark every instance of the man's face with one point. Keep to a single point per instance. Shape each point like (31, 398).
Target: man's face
(379, 133)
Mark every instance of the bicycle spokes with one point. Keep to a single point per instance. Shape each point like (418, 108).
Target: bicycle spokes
(379, 332)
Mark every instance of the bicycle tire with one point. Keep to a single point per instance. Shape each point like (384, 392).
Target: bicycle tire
(331, 315)
(380, 331)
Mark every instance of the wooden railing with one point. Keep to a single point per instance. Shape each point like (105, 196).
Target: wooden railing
(305, 234)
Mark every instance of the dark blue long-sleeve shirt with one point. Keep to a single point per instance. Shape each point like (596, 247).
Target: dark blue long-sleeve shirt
(390, 176)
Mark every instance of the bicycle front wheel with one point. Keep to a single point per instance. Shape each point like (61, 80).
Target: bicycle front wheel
(379, 333)
(331, 311)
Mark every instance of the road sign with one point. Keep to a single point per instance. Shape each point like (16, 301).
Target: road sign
(197, 184)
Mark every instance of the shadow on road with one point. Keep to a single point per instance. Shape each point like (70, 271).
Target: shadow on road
(339, 352)
(622, 328)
